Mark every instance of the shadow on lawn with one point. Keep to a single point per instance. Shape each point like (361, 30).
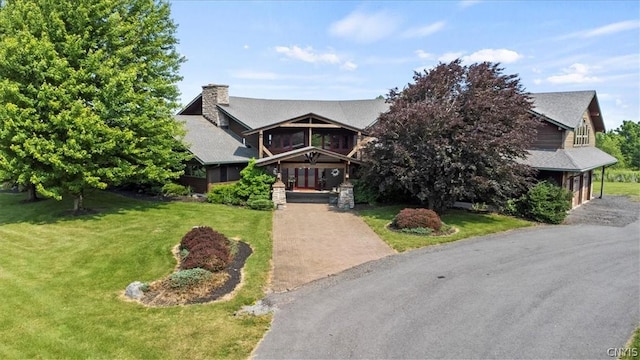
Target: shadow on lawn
(14, 209)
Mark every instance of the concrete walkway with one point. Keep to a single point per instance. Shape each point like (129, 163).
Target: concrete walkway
(312, 241)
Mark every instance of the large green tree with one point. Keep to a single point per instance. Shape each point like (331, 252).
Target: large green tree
(630, 144)
(87, 93)
(455, 133)
(609, 142)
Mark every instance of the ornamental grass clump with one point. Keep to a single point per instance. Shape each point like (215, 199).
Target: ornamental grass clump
(186, 278)
(416, 219)
(205, 248)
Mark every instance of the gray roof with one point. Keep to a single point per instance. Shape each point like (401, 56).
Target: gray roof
(575, 159)
(565, 108)
(213, 145)
(258, 113)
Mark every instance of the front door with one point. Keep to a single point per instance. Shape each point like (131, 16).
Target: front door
(306, 178)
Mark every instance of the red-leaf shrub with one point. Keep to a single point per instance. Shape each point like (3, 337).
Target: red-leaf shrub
(208, 249)
(417, 218)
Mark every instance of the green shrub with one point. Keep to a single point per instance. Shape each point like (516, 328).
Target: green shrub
(254, 184)
(417, 231)
(172, 189)
(545, 202)
(363, 193)
(254, 181)
(260, 204)
(618, 175)
(224, 194)
(186, 278)
(417, 218)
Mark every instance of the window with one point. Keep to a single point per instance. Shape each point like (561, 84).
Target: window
(276, 141)
(194, 170)
(335, 141)
(297, 140)
(581, 136)
(345, 142)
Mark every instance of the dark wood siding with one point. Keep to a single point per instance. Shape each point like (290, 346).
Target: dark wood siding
(549, 137)
(551, 176)
(235, 127)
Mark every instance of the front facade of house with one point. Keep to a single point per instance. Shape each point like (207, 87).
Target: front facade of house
(315, 145)
(310, 145)
(564, 150)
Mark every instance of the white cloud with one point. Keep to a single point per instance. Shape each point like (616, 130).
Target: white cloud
(308, 55)
(423, 31)
(424, 55)
(576, 74)
(605, 30)
(245, 47)
(365, 28)
(613, 28)
(493, 55)
(450, 56)
(349, 66)
(467, 3)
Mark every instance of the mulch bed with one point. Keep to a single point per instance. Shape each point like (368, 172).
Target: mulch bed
(235, 275)
(233, 270)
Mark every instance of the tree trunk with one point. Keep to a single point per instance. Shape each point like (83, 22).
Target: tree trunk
(78, 202)
(31, 193)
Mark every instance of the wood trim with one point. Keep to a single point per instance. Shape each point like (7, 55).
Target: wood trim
(316, 166)
(301, 125)
(260, 144)
(359, 145)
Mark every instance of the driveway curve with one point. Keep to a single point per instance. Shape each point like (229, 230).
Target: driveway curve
(312, 241)
(568, 291)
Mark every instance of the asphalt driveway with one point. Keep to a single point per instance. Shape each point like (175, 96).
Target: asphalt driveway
(569, 291)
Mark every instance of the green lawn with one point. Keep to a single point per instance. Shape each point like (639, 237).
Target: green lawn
(61, 280)
(618, 188)
(633, 347)
(469, 224)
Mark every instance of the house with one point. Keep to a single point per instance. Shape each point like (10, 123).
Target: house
(564, 150)
(315, 145)
(310, 144)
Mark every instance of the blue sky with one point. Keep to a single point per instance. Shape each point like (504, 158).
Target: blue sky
(340, 50)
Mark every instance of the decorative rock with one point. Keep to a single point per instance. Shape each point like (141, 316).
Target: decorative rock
(133, 290)
(260, 308)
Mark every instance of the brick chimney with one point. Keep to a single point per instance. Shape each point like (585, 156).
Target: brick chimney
(213, 95)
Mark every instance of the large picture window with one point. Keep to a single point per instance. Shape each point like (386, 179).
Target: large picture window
(196, 171)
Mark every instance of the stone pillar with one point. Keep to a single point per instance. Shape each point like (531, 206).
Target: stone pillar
(345, 196)
(212, 96)
(279, 195)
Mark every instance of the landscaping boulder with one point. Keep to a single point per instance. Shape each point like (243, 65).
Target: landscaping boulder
(134, 290)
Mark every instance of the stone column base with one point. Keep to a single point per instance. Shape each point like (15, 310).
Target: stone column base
(279, 194)
(345, 196)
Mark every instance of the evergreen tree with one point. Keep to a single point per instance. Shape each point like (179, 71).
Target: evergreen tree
(87, 93)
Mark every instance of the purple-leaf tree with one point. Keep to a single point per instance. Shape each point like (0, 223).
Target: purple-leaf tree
(455, 133)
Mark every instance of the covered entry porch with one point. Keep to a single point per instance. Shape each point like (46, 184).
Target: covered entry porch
(311, 169)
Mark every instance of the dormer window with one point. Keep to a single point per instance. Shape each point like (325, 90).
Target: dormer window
(581, 135)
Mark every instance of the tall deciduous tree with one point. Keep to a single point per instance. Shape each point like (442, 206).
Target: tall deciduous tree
(609, 142)
(87, 93)
(455, 133)
(630, 143)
